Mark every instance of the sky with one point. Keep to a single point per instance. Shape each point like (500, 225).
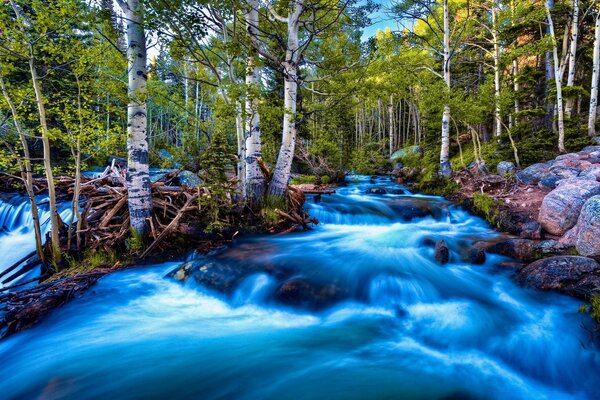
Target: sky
(380, 20)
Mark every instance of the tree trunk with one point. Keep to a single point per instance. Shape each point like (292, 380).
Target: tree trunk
(37, 88)
(445, 167)
(281, 174)
(391, 115)
(138, 179)
(595, 76)
(255, 183)
(559, 100)
(549, 68)
(26, 172)
(572, 55)
(495, 38)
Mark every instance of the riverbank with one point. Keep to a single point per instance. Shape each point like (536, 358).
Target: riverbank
(552, 211)
(186, 219)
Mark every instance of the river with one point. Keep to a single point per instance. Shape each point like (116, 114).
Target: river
(384, 322)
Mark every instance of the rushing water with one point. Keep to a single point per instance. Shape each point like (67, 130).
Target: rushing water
(401, 326)
(17, 237)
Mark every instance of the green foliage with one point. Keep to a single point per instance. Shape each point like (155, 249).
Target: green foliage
(135, 243)
(369, 160)
(304, 179)
(593, 308)
(325, 179)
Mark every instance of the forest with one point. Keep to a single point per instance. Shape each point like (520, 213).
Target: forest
(307, 198)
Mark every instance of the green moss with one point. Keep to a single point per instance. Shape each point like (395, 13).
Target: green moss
(593, 308)
(91, 260)
(325, 179)
(431, 183)
(311, 179)
(489, 208)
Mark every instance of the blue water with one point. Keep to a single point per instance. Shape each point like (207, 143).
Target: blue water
(404, 326)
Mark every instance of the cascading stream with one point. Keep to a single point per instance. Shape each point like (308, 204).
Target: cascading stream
(355, 309)
(17, 237)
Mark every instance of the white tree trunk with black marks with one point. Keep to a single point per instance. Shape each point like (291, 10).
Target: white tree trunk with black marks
(496, 39)
(572, 55)
(445, 167)
(559, 99)
(138, 178)
(255, 182)
(281, 174)
(595, 76)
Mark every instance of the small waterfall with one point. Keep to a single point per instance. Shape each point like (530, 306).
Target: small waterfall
(17, 236)
(254, 289)
(393, 291)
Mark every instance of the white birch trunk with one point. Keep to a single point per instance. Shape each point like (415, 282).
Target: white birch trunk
(445, 167)
(281, 174)
(559, 100)
(138, 179)
(572, 55)
(255, 182)
(595, 76)
(495, 38)
(391, 115)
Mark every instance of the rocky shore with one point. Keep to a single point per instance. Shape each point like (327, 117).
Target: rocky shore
(552, 212)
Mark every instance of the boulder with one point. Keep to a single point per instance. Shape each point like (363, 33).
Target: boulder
(442, 253)
(591, 149)
(376, 190)
(550, 182)
(157, 174)
(216, 276)
(505, 167)
(407, 151)
(596, 139)
(525, 249)
(190, 179)
(564, 172)
(560, 208)
(534, 173)
(531, 230)
(570, 274)
(408, 208)
(303, 293)
(472, 255)
(588, 228)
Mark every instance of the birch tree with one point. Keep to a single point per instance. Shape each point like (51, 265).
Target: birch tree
(442, 36)
(255, 183)
(557, 78)
(572, 54)
(138, 178)
(28, 42)
(595, 76)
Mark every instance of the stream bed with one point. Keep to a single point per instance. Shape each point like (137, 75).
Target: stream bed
(357, 308)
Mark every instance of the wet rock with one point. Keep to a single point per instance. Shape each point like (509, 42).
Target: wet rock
(588, 228)
(525, 249)
(213, 275)
(411, 208)
(442, 252)
(300, 292)
(570, 274)
(376, 190)
(472, 255)
(521, 249)
(505, 167)
(560, 208)
(190, 179)
(534, 173)
(531, 230)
